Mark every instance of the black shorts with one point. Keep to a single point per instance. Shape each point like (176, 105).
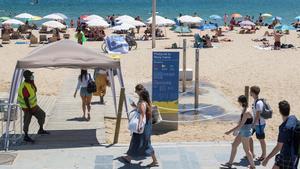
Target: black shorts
(259, 131)
(284, 162)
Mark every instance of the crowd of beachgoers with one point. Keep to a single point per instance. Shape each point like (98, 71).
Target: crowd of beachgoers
(94, 27)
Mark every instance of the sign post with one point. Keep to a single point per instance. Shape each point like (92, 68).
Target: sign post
(197, 79)
(184, 66)
(153, 22)
(165, 86)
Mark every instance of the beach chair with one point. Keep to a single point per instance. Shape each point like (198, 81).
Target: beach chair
(33, 41)
(5, 39)
(66, 36)
(199, 43)
(43, 30)
(52, 39)
(43, 39)
(15, 35)
(63, 30)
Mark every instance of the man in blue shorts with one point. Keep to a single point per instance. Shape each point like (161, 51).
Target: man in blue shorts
(259, 123)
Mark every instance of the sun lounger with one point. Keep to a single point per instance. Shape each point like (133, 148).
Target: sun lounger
(5, 39)
(52, 39)
(33, 41)
(186, 35)
(15, 35)
(43, 30)
(66, 36)
(43, 39)
(199, 43)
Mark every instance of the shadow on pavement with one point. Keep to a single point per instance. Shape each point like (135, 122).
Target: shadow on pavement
(130, 165)
(61, 139)
(77, 119)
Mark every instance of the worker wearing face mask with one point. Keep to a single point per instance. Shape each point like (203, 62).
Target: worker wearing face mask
(27, 100)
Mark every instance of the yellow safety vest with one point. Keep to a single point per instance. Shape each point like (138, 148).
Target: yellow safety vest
(32, 98)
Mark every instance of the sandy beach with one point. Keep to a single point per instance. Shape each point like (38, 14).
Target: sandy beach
(230, 66)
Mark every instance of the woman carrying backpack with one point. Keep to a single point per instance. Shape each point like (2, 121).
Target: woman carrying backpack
(86, 97)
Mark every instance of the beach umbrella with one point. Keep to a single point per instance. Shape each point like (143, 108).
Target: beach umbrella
(189, 19)
(4, 18)
(182, 29)
(83, 17)
(36, 18)
(297, 18)
(215, 17)
(157, 17)
(266, 15)
(54, 17)
(207, 26)
(54, 24)
(277, 18)
(125, 18)
(170, 22)
(123, 26)
(247, 23)
(236, 15)
(13, 22)
(284, 28)
(92, 17)
(61, 15)
(132, 22)
(97, 23)
(24, 16)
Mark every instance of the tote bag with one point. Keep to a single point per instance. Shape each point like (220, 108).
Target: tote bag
(134, 117)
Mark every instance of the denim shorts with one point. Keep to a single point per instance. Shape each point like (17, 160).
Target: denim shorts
(84, 92)
(246, 130)
(260, 131)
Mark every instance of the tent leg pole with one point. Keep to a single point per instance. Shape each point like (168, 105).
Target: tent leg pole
(119, 115)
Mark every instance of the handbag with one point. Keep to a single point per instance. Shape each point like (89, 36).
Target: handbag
(91, 87)
(156, 117)
(134, 117)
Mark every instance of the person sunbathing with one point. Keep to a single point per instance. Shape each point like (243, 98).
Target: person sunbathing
(219, 32)
(226, 40)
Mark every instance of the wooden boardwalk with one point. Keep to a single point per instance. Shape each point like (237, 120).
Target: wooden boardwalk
(65, 124)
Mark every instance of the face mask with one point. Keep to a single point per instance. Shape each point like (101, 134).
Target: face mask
(32, 78)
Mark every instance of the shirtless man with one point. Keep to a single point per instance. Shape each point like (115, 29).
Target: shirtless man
(277, 37)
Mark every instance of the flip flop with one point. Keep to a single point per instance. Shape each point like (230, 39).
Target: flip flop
(260, 159)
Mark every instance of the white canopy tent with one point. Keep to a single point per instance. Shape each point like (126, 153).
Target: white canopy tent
(62, 54)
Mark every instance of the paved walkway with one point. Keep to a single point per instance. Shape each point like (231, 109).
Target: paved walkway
(65, 122)
(170, 156)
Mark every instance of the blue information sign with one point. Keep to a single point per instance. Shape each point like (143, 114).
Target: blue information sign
(165, 76)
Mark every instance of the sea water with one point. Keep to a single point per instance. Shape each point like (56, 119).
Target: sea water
(287, 9)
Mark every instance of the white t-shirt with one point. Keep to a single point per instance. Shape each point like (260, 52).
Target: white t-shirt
(258, 108)
(84, 82)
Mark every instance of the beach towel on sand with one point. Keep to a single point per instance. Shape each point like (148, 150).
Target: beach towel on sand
(116, 45)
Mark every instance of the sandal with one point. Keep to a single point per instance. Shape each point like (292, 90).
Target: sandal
(153, 164)
(251, 167)
(260, 158)
(228, 165)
